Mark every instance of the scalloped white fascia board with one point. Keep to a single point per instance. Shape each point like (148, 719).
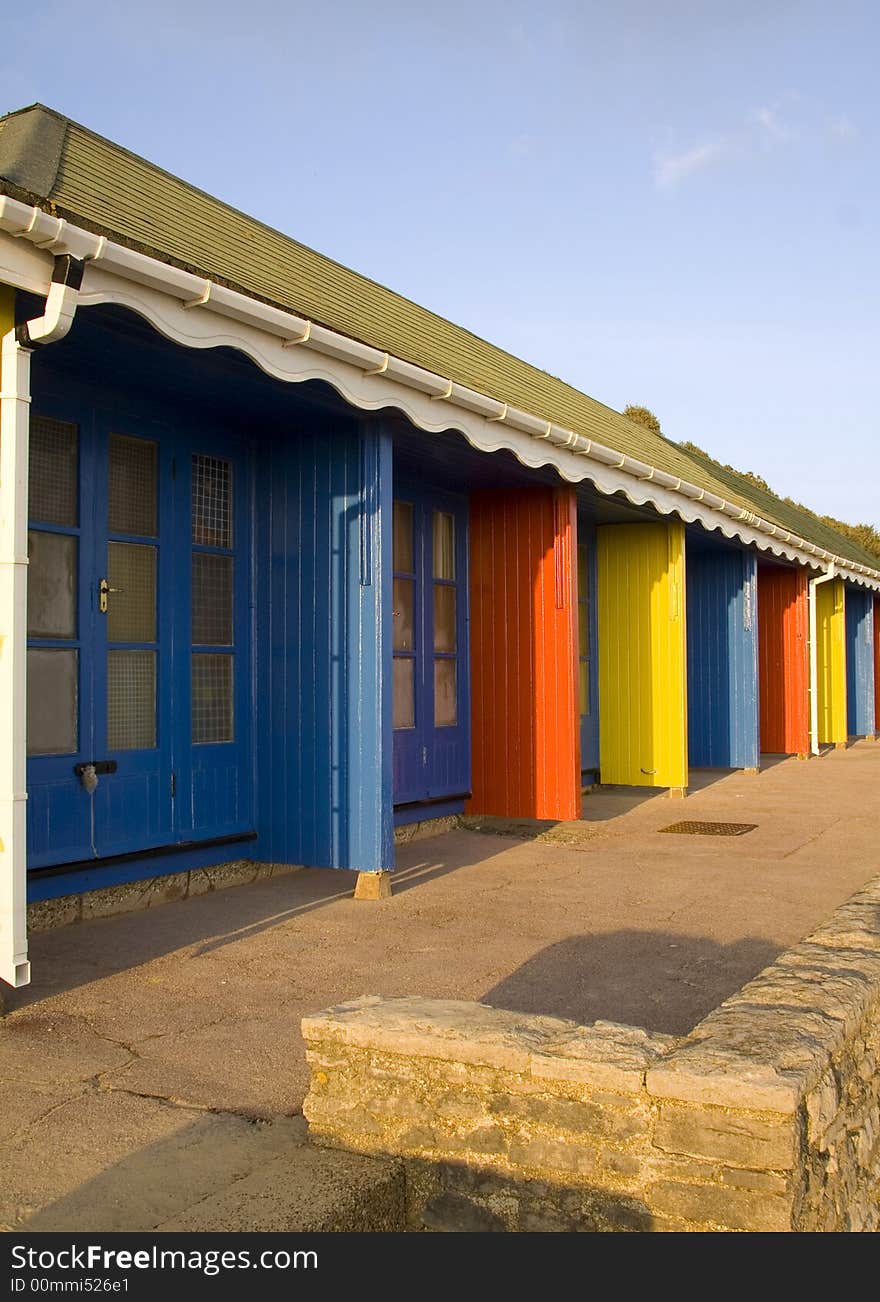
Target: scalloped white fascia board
(197, 313)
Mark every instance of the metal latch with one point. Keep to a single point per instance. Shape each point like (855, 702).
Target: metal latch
(99, 766)
(104, 591)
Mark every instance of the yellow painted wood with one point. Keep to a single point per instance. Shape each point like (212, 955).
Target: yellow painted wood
(831, 652)
(642, 655)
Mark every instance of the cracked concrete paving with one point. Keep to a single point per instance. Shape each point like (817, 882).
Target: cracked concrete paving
(151, 1075)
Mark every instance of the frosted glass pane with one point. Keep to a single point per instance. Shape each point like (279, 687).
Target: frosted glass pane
(404, 693)
(584, 687)
(211, 599)
(403, 537)
(132, 486)
(51, 584)
(51, 701)
(583, 631)
(211, 698)
(403, 621)
(131, 700)
(211, 501)
(444, 617)
(52, 477)
(444, 545)
(445, 703)
(131, 608)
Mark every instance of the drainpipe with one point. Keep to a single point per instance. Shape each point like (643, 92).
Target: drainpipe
(814, 659)
(17, 346)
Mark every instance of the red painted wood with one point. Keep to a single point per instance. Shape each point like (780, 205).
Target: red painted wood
(525, 742)
(877, 663)
(783, 660)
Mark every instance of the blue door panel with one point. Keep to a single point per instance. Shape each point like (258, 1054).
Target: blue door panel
(322, 607)
(170, 791)
(431, 762)
(722, 658)
(589, 655)
(860, 662)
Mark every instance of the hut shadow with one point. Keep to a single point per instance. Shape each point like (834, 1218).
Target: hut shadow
(662, 981)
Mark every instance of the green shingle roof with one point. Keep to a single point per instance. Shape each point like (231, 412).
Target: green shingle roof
(69, 170)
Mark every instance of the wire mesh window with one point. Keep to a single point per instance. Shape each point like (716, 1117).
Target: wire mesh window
(211, 501)
(211, 698)
(52, 483)
(131, 610)
(133, 487)
(211, 599)
(131, 700)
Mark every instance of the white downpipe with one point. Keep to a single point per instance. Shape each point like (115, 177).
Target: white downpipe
(15, 401)
(814, 658)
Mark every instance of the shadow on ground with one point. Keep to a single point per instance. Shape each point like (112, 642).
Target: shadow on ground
(656, 979)
(71, 956)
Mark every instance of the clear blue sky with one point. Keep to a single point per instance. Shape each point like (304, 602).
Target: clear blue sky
(672, 203)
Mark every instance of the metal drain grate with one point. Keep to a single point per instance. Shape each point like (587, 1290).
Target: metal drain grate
(690, 827)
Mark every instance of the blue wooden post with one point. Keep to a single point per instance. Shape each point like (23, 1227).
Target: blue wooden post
(368, 809)
(722, 634)
(860, 662)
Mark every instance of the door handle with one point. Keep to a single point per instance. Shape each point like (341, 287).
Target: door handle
(104, 591)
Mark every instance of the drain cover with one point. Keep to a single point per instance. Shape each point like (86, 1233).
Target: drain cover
(689, 827)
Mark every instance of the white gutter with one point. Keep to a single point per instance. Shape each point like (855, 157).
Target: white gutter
(814, 658)
(15, 399)
(195, 292)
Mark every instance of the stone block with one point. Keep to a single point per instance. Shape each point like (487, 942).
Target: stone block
(735, 1138)
(734, 1209)
(373, 886)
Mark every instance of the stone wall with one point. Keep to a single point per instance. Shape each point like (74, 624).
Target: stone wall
(130, 897)
(765, 1118)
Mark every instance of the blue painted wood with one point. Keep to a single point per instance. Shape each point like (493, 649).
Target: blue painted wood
(323, 539)
(173, 792)
(722, 657)
(431, 762)
(590, 721)
(860, 684)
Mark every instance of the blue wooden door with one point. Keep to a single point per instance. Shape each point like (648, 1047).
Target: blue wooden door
(431, 698)
(588, 678)
(137, 637)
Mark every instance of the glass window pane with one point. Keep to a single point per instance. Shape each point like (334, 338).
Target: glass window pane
(444, 545)
(211, 698)
(51, 701)
(211, 502)
(131, 603)
(403, 693)
(583, 630)
(132, 486)
(211, 599)
(51, 601)
(403, 622)
(131, 700)
(403, 537)
(444, 617)
(52, 478)
(583, 573)
(445, 702)
(584, 687)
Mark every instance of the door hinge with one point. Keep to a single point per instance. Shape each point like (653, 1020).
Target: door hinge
(173, 785)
